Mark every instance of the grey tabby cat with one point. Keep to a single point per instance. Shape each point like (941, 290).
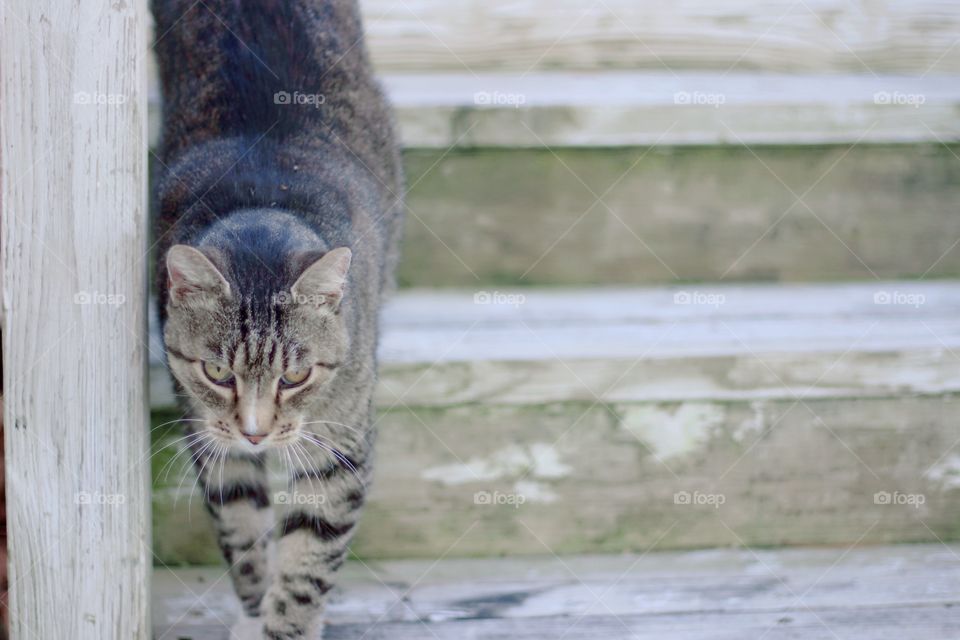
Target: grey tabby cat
(279, 195)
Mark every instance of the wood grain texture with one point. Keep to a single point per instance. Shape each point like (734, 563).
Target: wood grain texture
(802, 594)
(754, 342)
(73, 195)
(910, 36)
(622, 109)
(796, 403)
(519, 37)
(439, 110)
(571, 478)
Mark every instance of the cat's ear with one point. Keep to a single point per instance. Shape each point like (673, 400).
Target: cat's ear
(192, 277)
(322, 283)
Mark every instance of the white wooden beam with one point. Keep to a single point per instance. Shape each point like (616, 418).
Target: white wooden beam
(815, 36)
(73, 197)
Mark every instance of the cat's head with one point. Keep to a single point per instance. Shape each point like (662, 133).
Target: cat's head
(253, 362)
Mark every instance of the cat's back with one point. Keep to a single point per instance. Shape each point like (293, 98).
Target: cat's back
(273, 103)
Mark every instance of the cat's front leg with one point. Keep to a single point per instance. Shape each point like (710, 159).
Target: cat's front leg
(314, 532)
(235, 493)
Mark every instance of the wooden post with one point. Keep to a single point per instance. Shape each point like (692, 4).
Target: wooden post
(73, 206)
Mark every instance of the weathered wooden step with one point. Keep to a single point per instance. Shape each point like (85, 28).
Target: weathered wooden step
(497, 217)
(601, 418)
(514, 347)
(633, 178)
(822, 36)
(641, 109)
(910, 37)
(624, 109)
(640, 216)
(802, 594)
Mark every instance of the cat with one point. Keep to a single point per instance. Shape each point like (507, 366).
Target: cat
(279, 210)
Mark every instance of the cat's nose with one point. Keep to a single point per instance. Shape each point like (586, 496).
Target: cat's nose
(254, 439)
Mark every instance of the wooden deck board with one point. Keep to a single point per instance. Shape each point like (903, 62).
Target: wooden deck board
(442, 348)
(802, 594)
(625, 109)
(826, 36)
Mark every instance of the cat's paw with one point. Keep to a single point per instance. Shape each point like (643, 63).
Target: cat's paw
(291, 614)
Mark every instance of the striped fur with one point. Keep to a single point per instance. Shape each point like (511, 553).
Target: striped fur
(254, 195)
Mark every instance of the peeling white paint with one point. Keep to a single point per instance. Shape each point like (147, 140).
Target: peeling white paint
(946, 472)
(534, 492)
(538, 460)
(674, 432)
(546, 461)
(752, 425)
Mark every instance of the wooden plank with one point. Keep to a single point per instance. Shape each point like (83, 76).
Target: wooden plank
(924, 623)
(821, 36)
(637, 109)
(712, 343)
(526, 37)
(804, 386)
(880, 623)
(689, 215)
(623, 109)
(73, 192)
(790, 593)
(478, 480)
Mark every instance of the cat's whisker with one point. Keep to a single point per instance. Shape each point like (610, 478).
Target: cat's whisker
(177, 421)
(289, 463)
(338, 424)
(299, 446)
(197, 451)
(292, 453)
(198, 456)
(180, 439)
(197, 437)
(311, 434)
(336, 453)
(223, 462)
(309, 465)
(204, 475)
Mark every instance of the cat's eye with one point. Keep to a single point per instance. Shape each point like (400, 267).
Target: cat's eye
(218, 373)
(294, 378)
